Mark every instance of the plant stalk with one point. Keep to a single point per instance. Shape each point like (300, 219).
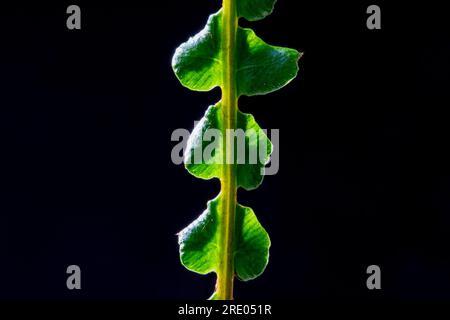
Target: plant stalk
(225, 272)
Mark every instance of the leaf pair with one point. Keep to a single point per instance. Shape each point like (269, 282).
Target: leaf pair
(252, 149)
(260, 68)
(200, 244)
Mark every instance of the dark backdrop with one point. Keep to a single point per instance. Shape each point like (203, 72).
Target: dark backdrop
(86, 176)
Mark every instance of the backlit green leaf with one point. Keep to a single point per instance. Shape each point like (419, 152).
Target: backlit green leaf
(261, 68)
(204, 157)
(199, 242)
(198, 62)
(251, 253)
(253, 10)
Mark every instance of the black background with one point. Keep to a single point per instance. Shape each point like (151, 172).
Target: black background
(86, 176)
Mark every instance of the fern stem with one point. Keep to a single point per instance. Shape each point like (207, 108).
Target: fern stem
(225, 274)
